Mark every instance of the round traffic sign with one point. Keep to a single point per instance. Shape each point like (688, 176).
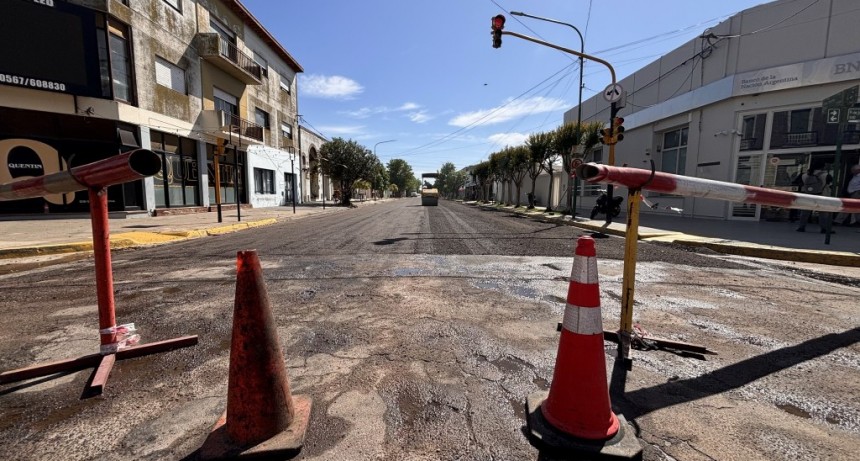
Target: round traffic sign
(613, 92)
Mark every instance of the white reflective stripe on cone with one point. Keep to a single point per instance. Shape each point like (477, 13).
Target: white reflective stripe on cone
(584, 270)
(582, 320)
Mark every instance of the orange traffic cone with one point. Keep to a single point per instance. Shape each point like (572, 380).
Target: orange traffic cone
(576, 415)
(262, 417)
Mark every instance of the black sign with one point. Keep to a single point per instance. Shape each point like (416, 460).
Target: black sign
(49, 45)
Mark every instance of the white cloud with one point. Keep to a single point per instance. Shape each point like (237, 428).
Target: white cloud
(366, 112)
(512, 110)
(420, 116)
(409, 106)
(329, 87)
(508, 139)
(338, 130)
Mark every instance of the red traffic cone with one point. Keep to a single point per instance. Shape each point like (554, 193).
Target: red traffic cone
(576, 415)
(262, 417)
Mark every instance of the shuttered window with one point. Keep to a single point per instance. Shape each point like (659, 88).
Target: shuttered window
(166, 74)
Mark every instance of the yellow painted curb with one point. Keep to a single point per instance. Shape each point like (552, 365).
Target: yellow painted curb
(130, 239)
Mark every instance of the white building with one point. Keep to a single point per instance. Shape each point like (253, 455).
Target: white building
(743, 103)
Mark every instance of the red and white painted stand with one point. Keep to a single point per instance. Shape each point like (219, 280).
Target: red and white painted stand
(95, 177)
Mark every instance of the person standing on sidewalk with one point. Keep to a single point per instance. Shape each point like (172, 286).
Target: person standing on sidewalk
(815, 181)
(853, 190)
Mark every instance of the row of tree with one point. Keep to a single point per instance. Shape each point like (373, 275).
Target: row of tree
(542, 152)
(352, 166)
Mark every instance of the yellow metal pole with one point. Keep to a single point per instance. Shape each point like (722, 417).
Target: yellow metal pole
(631, 242)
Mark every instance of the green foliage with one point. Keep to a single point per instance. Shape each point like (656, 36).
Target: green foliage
(347, 162)
(400, 174)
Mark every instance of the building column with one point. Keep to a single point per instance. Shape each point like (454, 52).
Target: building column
(203, 172)
(149, 182)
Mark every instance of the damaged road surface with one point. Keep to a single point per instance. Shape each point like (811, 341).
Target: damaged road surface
(419, 332)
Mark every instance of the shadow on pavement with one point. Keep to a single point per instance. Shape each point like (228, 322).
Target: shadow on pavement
(643, 401)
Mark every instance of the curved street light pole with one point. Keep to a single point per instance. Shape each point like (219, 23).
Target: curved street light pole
(374, 154)
(381, 142)
(572, 193)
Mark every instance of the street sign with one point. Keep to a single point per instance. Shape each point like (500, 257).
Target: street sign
(613, 92)
(833, 115)
(854, 115)
(842, 100)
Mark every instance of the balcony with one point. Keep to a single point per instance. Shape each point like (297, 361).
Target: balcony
(224, 55)
(749, 144)
(851, 137)
(804, 138)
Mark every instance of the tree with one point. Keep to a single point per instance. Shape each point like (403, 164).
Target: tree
(538, 145)
(481, 172)
(519, 163)
(399, 174)
(565, 140)
(549, 165)
(347, 162)
(445, 181)
(379, 182)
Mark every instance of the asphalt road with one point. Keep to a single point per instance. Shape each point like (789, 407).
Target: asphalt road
(419, 331)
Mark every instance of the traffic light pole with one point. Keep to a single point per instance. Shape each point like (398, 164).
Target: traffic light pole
(610, 189)
(613, 111)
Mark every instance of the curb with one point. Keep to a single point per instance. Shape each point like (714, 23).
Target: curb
(737, 248)
(131, 239)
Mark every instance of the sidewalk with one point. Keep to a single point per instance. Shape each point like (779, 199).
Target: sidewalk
(34, 235)
(761, 239)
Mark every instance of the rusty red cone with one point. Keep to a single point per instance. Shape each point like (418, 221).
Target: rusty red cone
(262, 417)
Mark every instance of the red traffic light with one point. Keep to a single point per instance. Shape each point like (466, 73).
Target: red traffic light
(498, 22)
(618, 121)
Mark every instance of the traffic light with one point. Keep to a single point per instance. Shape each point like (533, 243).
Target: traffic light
(606, 136)
(618, 129)
(497, 23)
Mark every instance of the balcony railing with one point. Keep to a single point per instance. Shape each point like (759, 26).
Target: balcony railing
(229, 58)
(804, 138)
(234, 124)
(748, 143)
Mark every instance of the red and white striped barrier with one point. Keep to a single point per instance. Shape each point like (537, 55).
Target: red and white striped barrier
(707, 188)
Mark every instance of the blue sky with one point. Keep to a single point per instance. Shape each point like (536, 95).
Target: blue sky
(425, 75)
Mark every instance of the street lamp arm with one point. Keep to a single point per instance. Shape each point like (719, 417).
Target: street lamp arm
(381, 142)
(566, 50)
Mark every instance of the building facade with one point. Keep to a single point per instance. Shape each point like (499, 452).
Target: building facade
(744, 102)
(315, 184)
(188, 79)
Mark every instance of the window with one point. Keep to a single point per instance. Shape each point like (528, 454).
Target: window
(264, 181)
(222, 30)
(261, 118)
(177, 182)
(674, 155)
(170, 76)
(264, 65)
(176, 4)
(796, 128)
(120, 61)
(225, 102)
(285, 84)
(286, 131)
(752, 132)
